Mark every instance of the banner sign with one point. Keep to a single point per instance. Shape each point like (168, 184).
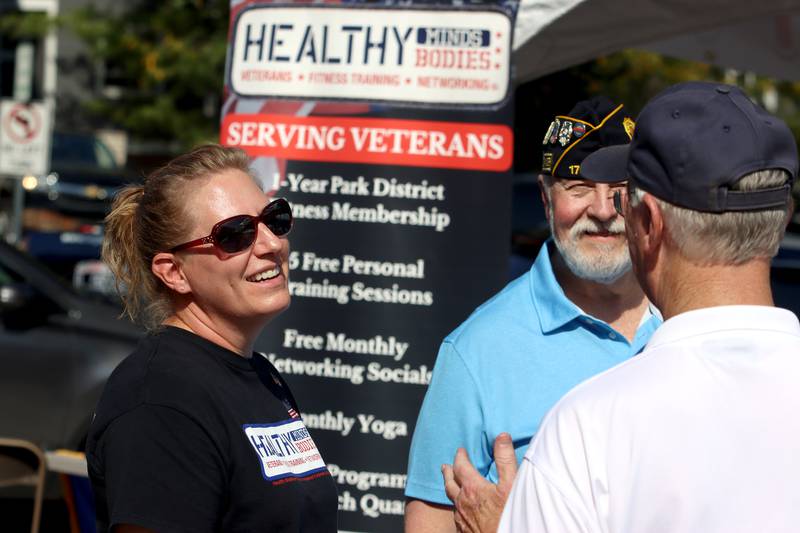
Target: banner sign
(401, 192)
(416, 55)
(415, 143)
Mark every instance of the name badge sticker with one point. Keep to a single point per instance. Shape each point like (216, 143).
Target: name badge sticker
(285, 449)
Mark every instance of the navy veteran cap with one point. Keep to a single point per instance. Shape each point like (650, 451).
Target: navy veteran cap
(591, 125)
(695, 140)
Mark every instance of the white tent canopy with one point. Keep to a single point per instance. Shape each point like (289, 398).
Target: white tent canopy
(762, 36)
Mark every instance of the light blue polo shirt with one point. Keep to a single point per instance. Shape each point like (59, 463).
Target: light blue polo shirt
(503, 369)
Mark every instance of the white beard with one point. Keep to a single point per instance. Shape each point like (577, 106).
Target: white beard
(606, 263)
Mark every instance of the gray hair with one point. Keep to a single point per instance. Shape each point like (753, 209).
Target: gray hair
(731, 238)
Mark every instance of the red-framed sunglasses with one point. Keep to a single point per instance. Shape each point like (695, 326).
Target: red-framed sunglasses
(239, 232)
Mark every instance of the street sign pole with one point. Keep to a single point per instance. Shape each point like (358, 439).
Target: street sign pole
(25, 136)
(24, 142)
(14, 234)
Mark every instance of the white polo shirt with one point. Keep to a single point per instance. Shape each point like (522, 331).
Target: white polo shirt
(698, 433)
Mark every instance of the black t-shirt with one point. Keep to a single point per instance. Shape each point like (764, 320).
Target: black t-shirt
(188, 438)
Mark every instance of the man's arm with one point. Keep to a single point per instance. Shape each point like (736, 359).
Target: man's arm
(451, 416)
(426, 517)
(478, 502)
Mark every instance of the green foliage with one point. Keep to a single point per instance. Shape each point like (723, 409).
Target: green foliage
(635, 76)
(168, 59)
(168, 56)
(25, 25)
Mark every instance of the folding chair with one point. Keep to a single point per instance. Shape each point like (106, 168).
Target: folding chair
(22, 463)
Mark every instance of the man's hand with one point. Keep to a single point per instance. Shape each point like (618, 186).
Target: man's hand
(478, 502)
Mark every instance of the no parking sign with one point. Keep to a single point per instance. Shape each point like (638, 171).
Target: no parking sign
(24, 138)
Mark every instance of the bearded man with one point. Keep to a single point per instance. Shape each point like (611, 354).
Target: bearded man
(577, 312)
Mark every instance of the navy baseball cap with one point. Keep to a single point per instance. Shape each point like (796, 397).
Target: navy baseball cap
(589, 126)
(693, 141)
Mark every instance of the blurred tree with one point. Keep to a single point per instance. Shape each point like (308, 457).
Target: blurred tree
(163, 64)
(24, 25)
(165, 61)
(631, 77)
(635, 76)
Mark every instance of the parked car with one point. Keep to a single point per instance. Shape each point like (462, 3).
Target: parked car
(57, 348)
(64, 210)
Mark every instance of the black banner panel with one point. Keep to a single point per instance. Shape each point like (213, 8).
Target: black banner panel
(389, 131)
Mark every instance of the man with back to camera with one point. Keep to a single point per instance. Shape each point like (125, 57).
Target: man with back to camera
(577, 312)
(699, 432)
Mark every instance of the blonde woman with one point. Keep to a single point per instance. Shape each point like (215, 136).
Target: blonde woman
(195, 432)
